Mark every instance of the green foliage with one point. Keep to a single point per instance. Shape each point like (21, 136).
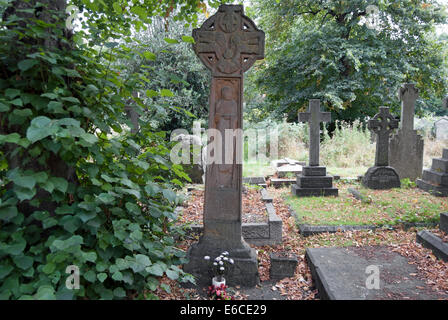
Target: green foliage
(324, 50)
(167, 58)
(348, 147)
(76, 187)
(408, 183)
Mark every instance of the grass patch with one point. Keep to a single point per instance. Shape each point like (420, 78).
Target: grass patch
(388, 207)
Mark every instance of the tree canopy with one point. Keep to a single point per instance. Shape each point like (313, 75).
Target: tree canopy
(326, 50)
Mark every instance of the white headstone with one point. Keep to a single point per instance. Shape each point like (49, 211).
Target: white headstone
(442, 129)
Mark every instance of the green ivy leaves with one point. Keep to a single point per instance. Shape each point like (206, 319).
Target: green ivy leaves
(27, 64)
(114, 219)
(39, 129)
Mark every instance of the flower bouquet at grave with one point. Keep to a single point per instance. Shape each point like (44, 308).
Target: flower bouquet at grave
(219, 293)
(220, 266)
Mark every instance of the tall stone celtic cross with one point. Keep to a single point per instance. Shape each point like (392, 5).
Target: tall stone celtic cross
(382, 124)
(228, 43)
(314, 117)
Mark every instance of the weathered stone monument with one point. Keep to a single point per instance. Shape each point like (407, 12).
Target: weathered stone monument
(382, 176)
(314, 181)
(435, 179)
(228, 43)
(406, 147)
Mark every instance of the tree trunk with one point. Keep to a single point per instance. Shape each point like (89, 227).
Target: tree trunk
(54, 164)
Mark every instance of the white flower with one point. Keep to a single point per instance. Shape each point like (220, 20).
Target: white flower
(215, 263)
(218, 259)
(226, 253)
(222, 268)
(231, 261)
(221, 263)
(225, 258)
(206, 258)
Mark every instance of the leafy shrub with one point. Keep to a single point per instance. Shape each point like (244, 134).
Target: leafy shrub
(75, 188)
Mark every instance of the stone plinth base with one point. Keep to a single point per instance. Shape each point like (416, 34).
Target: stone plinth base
(381, 178)
(313, 192)
(435, 179)
(244, 271)
(282, 266)
(314, 182)
(435, 190)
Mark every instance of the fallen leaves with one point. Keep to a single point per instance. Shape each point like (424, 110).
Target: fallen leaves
(301, 287)
(253, 208)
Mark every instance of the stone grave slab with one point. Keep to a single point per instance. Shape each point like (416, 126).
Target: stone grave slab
(293, 169)
(433, 242)
(286, 161)
(254, 180)
(341, 274)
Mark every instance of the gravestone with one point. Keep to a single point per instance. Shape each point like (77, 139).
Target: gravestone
(314, 181)
(435, 179)
(406, 147)
(348, 273)
(382, 176)
(195, 169)
(228, 43)
(284, 171)
(441, 127)
(286, 161)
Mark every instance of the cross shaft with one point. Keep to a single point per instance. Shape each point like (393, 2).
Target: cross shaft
(314, 117)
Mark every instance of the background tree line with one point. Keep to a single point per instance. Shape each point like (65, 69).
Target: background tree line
(324, 49)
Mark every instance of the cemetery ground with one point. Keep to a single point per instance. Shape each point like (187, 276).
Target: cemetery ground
(398, 215)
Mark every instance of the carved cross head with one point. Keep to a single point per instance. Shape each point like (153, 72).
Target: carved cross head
(383, 122)
(229, 43)
(314, 113)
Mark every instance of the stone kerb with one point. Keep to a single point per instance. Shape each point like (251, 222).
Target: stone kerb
(257, 233)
